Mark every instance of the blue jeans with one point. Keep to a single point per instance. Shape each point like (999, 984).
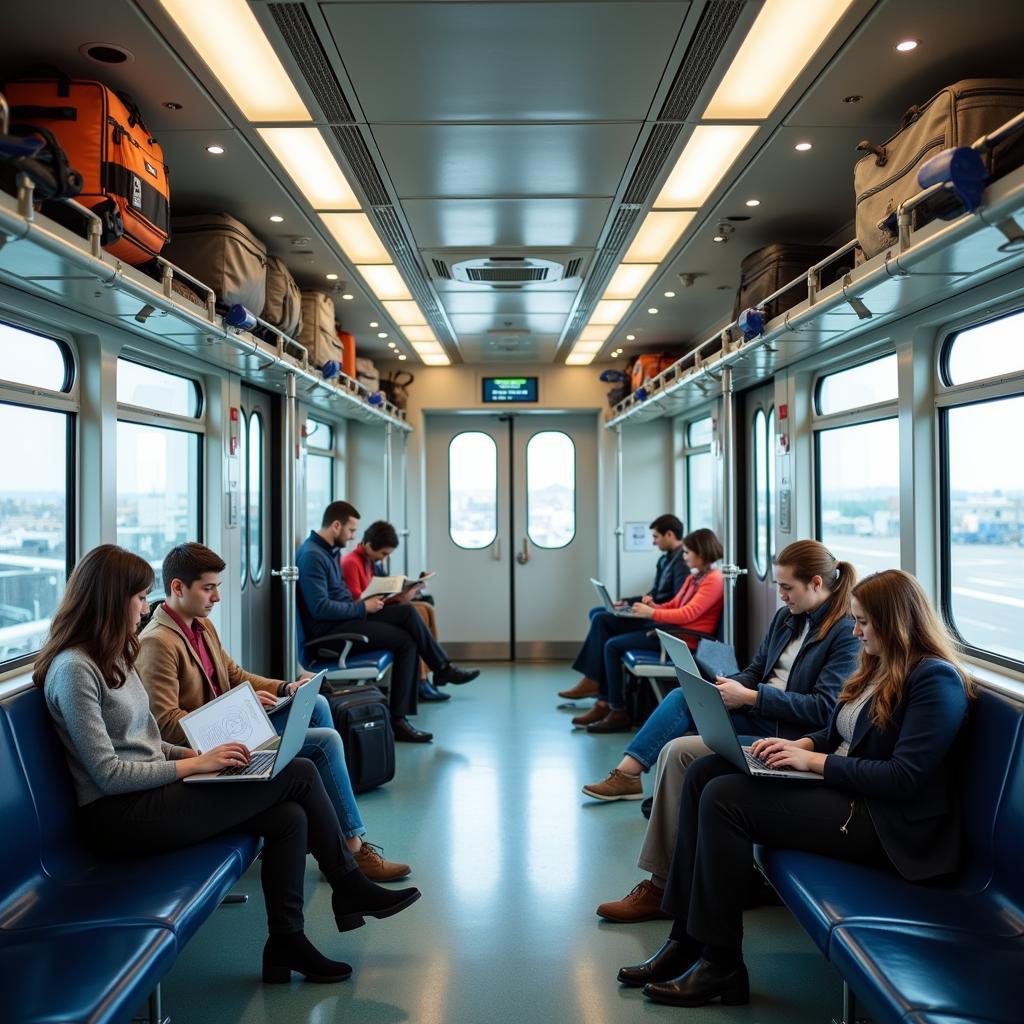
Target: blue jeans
(603, 626)
(324, 748)
(611, 682)
(672, 719)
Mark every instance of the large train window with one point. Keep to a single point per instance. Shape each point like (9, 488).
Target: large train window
(860, 386)
(319, 470)
(243, 462)
(33, 360)
(254, 495)
(550, 489)
(699, 475)
(983, 487)
(762, 525)
(472, 490)
(159, 453)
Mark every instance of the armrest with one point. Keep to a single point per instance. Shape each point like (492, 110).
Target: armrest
(338, 636)
(324, 653)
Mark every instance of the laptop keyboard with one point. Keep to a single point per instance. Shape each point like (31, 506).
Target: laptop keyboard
(756, 765)
(259, 764)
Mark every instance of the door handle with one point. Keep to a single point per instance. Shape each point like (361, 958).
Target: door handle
(524, 556)
(496, 552)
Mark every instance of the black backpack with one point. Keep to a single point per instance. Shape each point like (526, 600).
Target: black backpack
(363, 721)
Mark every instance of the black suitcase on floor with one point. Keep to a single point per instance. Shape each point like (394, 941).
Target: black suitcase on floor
(362, 719)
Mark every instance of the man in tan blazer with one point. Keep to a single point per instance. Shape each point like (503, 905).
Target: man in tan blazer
(183, 666)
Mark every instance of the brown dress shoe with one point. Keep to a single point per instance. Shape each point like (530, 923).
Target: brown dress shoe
(618, 786)
(616, 720)
(595, 714)
(369, 859)
(584, 688)
(643, 903)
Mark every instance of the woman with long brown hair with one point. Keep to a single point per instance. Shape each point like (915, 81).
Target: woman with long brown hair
(129, 785)
(889, 749)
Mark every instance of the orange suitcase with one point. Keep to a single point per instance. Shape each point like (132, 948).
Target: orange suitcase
(348, 356)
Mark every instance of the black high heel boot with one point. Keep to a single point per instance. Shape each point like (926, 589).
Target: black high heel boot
(286, 953)
(355, 897)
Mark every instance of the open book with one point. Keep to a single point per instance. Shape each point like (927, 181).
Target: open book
(389, 586)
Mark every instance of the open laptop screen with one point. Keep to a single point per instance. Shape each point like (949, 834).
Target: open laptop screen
(234, 717)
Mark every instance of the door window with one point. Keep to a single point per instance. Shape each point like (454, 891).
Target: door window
(473, 489)
(254, 489)
(550, 489)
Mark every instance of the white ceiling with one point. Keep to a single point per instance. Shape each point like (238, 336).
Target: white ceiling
(509, 128)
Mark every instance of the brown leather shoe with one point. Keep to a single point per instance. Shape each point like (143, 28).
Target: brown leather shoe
(618, 786)
(370, 860)
(583, 689)
(613, 721)
(643, 903)
(595, 714)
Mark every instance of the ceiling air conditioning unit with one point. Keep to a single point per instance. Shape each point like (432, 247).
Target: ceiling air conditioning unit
(508, 270)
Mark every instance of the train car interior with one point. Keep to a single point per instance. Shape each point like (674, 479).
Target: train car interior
(409, 341)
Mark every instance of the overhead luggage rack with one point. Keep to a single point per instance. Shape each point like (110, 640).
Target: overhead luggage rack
(921, 268)
(42, 257)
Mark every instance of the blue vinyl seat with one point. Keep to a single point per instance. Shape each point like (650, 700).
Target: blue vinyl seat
(365, 667)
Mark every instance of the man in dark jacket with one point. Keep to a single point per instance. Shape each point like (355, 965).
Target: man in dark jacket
(326, 606)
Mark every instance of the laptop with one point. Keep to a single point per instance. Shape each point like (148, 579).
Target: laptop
(714, 723)
(602, 592)
(237, 716)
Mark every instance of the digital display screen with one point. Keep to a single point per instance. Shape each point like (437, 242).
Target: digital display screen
(510, 389)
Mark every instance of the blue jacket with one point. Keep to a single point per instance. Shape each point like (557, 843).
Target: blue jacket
(906, 772)
(669, 576)
(821, 667)
(322, 598)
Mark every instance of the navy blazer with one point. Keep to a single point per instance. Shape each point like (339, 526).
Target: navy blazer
(906, 772)
(821, 667)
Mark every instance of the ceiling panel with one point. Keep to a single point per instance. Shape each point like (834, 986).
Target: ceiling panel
(506, 223)
(506, 160)
(505, 61)
(529, 323)
(525, 301)
(491, 349)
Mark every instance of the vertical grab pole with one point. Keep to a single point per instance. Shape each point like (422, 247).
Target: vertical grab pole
(387, 479)
(729, 568)
(404, 532)
(289, 572)
(619, 527)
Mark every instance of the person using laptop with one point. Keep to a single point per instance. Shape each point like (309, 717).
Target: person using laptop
(788, 689)
(183, 666)
(366, 560)
(669, 575)
(129, 783)
(696, 606)
(326, 606)
(889, 797)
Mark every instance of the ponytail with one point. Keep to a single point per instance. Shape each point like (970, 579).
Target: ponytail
(810, 558)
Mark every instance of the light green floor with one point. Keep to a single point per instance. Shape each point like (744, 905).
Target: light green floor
(512, 861)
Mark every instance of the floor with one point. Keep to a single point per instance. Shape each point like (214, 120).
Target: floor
(512, 861)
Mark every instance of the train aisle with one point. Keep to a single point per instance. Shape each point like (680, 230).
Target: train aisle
(512, 861)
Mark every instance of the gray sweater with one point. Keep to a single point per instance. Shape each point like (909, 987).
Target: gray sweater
(112, 740)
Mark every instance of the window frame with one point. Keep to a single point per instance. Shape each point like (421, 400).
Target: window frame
(861, 359)
(575, 509)
(243, 498)
(688, 452)
(945, 349)
(128, 411)
(256, 577)
(331, 453)
(497, 486)
(760, 570)
(68, 386)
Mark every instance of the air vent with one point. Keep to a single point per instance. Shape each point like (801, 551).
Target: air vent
(441, 269)
(500, 274)
(572, 268)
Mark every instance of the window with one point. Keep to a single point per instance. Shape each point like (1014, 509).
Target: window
(254, 496)
(147, 388)
(868, 384)
(991, 349)
(473, 490)
(550, 489)
(319, 488)
(35, 524)
(759, 447)
(157, 490)
(243, 501)
(319, 435)
(983, 494)
(700, 466)
(31, 359)
(858, 477)
(771, 484)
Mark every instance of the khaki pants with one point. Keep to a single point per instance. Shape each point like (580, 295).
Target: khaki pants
(660, 840)
(429, 616)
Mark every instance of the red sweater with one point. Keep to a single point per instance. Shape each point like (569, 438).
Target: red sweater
(697, 606)
(357, 571)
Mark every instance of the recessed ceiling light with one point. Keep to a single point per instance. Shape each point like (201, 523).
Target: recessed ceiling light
(215, 150)
(720, 238)
(382, 334)
(373, 323)
(276, 218)
(630, 337)
(652, 310)
(332, 277)
(907, 45)
(753, 202)
(670, 295)
(391, 344)
(802, 147)
(348, 296)
(402, 358)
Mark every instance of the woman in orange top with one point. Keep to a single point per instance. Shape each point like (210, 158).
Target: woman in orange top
(697, 606)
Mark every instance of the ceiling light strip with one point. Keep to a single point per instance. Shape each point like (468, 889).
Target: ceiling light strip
(308, 161)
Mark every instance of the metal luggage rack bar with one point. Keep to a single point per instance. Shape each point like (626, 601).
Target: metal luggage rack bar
(22, 225)
(699, 365)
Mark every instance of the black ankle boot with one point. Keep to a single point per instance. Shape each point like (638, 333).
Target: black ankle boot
(703, 983)
(286, 953)
(356, 897)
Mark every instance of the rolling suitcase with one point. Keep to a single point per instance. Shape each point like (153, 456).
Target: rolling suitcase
(766, 270)
(319, 334)
(283, 306)
(955, 116)
(124, 177)
(363, 721)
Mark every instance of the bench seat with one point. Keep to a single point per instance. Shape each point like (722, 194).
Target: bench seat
(649, 664)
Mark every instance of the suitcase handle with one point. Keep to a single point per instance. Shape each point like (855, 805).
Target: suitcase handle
(867, 146)
(912, 114)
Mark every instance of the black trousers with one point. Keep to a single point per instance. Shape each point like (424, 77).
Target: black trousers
(292, 812)
(723, 812)
(397, 628)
